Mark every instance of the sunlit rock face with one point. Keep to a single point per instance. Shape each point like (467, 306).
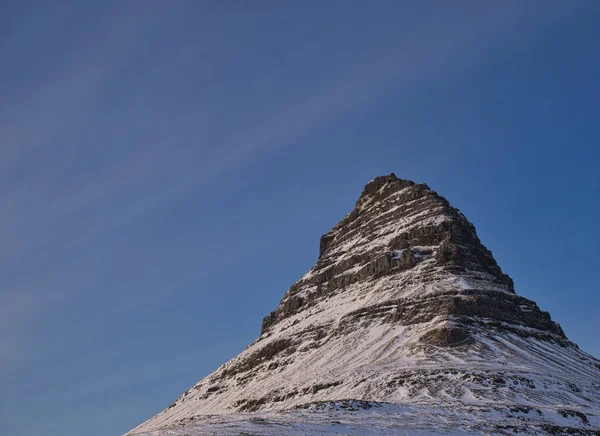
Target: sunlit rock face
(404, 306)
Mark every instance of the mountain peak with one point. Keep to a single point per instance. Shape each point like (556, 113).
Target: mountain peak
(404, 305)
(381, 186)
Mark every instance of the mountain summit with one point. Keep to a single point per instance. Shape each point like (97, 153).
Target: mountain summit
(405, 323)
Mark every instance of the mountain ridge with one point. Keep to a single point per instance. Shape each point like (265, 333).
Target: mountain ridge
(405, 305)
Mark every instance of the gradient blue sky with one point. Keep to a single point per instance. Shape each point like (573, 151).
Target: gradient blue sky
(167, 168)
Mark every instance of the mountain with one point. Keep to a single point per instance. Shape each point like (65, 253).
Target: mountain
(405, 325)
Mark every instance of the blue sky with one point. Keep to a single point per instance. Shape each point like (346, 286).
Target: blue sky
(167, 168)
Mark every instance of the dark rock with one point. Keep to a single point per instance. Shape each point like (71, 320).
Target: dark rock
(292, 304)
(403, 259)
(575, 413)
(264, 354)
(447, 336)
(268, 321)
(324, 244)
(448, 253)
(381, 186)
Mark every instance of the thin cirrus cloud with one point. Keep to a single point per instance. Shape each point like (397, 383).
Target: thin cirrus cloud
(63, 95)
(48, 222)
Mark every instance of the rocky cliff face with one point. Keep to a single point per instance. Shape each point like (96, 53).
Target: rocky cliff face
(404, 306)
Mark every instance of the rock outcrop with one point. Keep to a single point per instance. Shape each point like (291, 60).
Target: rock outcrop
(404, 305)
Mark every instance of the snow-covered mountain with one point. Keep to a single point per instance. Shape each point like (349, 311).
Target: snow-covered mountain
(405, 324)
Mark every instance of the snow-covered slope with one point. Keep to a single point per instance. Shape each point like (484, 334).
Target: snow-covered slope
(405, 322)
